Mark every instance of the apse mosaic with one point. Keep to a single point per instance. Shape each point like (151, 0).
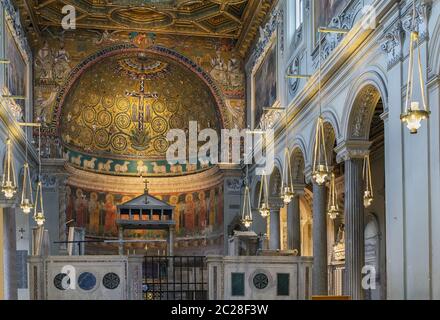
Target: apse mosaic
(195, 213)
(59, 58)
(125, 105)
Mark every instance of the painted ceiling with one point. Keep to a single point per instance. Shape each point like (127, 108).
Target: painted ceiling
(100, 120)
(233, 19)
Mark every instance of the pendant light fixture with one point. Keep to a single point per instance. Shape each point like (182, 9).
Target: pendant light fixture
(287, 193)
(9, 183)
(368, 192)
(246, 214)
(27, 200)
(413, 115)
(263, 200)
(320, 170)
(39, 208)
(333, 207)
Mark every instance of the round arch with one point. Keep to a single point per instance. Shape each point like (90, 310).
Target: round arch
(362, 101)
(93, 59)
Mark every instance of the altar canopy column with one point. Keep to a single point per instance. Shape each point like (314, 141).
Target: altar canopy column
(121, 238)
(319, 274)
(171, 241)
(294, 221)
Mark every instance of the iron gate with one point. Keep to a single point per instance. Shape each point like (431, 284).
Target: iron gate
(175, 278)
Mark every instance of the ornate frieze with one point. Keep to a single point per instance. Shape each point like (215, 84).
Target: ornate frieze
(423, 11)
(363, 106)
(392, 43)
(352, 150)
(266, 33)
(12, 16)
(344, 20)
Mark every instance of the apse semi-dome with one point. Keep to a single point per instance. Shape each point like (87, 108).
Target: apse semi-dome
(118, 112)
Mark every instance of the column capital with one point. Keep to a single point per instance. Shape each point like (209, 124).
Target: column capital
(353, 149)
(298, 188)
(275, 203)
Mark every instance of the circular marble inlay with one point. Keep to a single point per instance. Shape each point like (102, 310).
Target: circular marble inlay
(260, 281)
(86, 281)
(61, 282)
(111, 280)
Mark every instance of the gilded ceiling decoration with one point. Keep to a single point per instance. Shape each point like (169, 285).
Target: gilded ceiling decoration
(232, 19)
(103, 112)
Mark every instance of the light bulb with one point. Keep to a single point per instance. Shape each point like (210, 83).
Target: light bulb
(320, 175)
(368, 198)
(39, 218)
(413, 117)
(264, 210)
(26, 206)
(9, 189)
(247, 222)
(287, 195)
(333, 212)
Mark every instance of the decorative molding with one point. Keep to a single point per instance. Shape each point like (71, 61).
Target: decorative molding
(12, 17)
(392, 44)
(293, 83)
(266, 34)
(362, 111)
(423, 11)
(352, 149)
(344, 20)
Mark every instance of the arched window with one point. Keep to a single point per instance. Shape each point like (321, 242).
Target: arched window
(295, 16)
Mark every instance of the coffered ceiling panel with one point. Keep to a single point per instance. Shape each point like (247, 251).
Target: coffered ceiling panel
(234, 19)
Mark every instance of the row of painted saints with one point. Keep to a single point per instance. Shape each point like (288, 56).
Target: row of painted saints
(195, 212)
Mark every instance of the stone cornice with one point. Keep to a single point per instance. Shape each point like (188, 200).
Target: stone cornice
(133, 185)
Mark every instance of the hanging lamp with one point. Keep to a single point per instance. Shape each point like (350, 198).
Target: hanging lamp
(287, 193)
(263, 200)
(333, 207)
(39, 208)
(9, 183)
(368, 192)
(413, 114)
(246, 214)
(27, 200)
(320, 170)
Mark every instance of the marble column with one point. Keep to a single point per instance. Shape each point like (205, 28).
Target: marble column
(294, 224)
(275, 229)
(319, 274)
(354, 228)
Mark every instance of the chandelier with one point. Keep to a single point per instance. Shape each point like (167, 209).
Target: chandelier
(320, 171)
(368, 192)
(246, 214)
(333, 207)
(413, 114)
(287, 193)
(27, 201)
(263, 200)
(9, 183)
(39, 208)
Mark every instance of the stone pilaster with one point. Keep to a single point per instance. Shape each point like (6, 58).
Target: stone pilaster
(319, 275)
(275, 227)
(294, 222)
